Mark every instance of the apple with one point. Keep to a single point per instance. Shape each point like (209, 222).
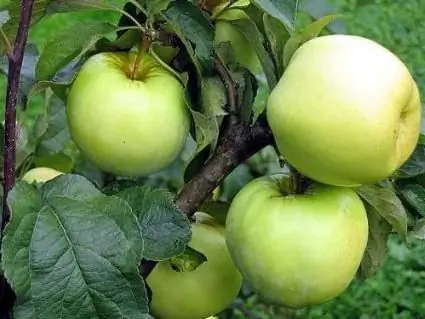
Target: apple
(296, 250)
(244, 54)
(40, 175)
(346, 111)
(129, 120)
(200, 293)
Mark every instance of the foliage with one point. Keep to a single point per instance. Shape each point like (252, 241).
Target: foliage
(83, 235)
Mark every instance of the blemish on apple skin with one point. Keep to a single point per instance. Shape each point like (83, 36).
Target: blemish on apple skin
(124, 142)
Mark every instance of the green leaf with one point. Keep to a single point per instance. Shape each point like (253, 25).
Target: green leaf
(320, 8)
(196, 163)
(27, 78)
(165, 229)
(376, 251)
(189, 261)
(206, 130)
(77, 5)
(252, 34)
(387, 205)
(421, 139)
(217, 209)
(418, 231)
(157, 6)
(70, 251)
(68, 44)
(13, 11)
(51, 128)
(364, 2)
(195, 30)
(283, 10)
(414, 166)
(308, 33)
(414, 194)
(213, 96)
(277, 36)
(247, 90)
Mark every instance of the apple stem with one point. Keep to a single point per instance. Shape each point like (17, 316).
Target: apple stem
(143, 47)
(14, 72)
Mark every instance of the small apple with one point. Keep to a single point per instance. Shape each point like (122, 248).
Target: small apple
(200, 293)
(127, 119)
(40, 175)
(296, 250)
(244, 54)
(346, 111)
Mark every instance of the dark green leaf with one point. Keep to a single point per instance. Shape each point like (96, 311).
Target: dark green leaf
(277, 36)
(387, 205)
(234, 182)
(247, 90)
(308, 33)
(415, 196)
(283, 10)
(195, 30)
(320, 8)
(364, 2)
(252, 34)
(376, 251)
(77, 5)
(70, 251)
(414, 166)
(206, 131)
(188, 261)
(421, 138)
(418, 231)
(12, 11)
(51, 129)
(68, 44)
(165, 229)
(196, 164)
(27, 78)
(157, 6)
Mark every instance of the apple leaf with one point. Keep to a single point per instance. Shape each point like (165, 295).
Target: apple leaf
(188, 261)
(217, 209)
(418, 231)
(414, 166)
(206, 130)
(247, 88)
(59, 6)
(27, 78)
(320, 8)
(157, 6)
(376, 251)
(386, 203)
(64, 242)
(51, 129)
(68, 44)
(414, 194)
(364, 2)
(213, 95)
(196, 163)
(277, 36)
(308, 33)
(165, 229)
(195, 30)
(283, 10)
(249, 30)
(421, 139)
(11, 13)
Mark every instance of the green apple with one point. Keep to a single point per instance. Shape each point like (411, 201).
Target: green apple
(297, 250)
(244, 54)
(40, 175)
(200, 293)
(127, 119)
(346, 111)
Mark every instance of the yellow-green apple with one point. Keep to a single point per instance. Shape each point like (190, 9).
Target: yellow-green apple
(127, 114)
(346, 111)
(296, 250)
(40, 174)
(199, 293)
(244, 53)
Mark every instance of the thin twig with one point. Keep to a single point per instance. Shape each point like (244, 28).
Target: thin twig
(14, 73)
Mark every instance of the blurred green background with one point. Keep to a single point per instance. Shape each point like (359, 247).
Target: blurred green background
(397, 290)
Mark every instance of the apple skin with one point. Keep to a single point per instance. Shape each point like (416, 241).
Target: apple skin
(207, 290)
(297, 250)
(346, 111)
(40, 174)
(127, 127)
(244, 54)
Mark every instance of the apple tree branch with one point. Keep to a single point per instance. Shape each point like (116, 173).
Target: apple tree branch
(16, 56)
